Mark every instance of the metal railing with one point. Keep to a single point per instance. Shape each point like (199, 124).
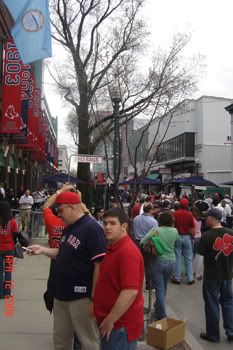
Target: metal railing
(36, 227)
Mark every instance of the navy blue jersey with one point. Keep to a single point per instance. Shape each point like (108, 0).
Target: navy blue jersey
(81, 244)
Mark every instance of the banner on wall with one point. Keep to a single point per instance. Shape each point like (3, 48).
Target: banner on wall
(11, 122)
(31, 137)
(21, 137)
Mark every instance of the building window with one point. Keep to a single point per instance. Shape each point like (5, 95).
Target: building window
(228, 138)
(179, 147)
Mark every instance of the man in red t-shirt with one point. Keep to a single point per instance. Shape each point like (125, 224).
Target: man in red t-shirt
(184, 223)
(118, 300)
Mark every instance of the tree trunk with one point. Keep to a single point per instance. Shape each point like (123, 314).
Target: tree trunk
(83, 169)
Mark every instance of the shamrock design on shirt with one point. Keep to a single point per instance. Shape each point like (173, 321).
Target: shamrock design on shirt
(224, 245)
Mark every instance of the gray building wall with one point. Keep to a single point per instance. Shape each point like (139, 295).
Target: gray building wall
(207, 118)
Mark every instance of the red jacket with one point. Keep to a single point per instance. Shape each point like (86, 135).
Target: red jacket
(54, 226)
(6, 237)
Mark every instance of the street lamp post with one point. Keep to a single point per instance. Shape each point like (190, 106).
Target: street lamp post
(116, 99)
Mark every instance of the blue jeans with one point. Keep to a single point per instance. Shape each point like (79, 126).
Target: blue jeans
(162, 270)
(215, 293)
(118, 341)
(4, 275)
(183, 246)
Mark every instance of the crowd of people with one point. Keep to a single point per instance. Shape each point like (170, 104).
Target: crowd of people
(193, 228)
(96, 280)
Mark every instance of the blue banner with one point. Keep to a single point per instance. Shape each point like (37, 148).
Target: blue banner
(31, 32)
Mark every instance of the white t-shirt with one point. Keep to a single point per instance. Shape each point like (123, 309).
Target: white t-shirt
(26, 202)
(224, 216)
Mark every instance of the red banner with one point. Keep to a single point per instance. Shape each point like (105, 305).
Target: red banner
(31, 137)
(21, 138)
(39, 154)
(44, 136)
(11, 90)
(36, 112)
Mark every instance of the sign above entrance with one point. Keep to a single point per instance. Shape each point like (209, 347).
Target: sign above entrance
(165, 170)
(83, 158)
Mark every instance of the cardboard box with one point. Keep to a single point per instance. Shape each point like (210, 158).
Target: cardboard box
(166, 333)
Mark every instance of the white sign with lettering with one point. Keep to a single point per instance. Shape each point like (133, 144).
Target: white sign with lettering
(82, 158)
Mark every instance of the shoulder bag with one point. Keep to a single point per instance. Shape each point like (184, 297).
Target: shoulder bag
(153, 245)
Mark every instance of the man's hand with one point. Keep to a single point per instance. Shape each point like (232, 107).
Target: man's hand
(106, 327)
(66, 188)
(36, 249)
(51, 200)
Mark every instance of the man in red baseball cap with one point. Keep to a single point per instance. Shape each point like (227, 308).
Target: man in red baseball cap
(82, 248)
(184, 223)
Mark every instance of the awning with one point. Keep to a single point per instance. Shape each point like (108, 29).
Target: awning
(141, 180)
(194, 180)
(229, 183)
(61, 177)
(153, 176)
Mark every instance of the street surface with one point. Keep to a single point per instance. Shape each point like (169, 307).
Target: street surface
(31, 325)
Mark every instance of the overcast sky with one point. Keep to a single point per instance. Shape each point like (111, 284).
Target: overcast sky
(211, 26)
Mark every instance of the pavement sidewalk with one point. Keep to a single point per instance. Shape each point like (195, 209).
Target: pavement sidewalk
(31, 325)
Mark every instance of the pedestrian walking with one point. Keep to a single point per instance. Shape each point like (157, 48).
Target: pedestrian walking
(2, 191)
(25, 207)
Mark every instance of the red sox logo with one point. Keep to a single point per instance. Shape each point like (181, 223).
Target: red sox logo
(11, 113)
(224, 245)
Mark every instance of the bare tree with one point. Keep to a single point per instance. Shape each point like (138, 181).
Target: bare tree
(161, 94)
(103, 38)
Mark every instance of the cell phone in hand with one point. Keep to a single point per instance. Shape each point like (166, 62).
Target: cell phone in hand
(28, 249)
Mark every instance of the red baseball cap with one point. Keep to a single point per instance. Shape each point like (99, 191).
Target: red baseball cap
(184, 202)
(68, 198)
